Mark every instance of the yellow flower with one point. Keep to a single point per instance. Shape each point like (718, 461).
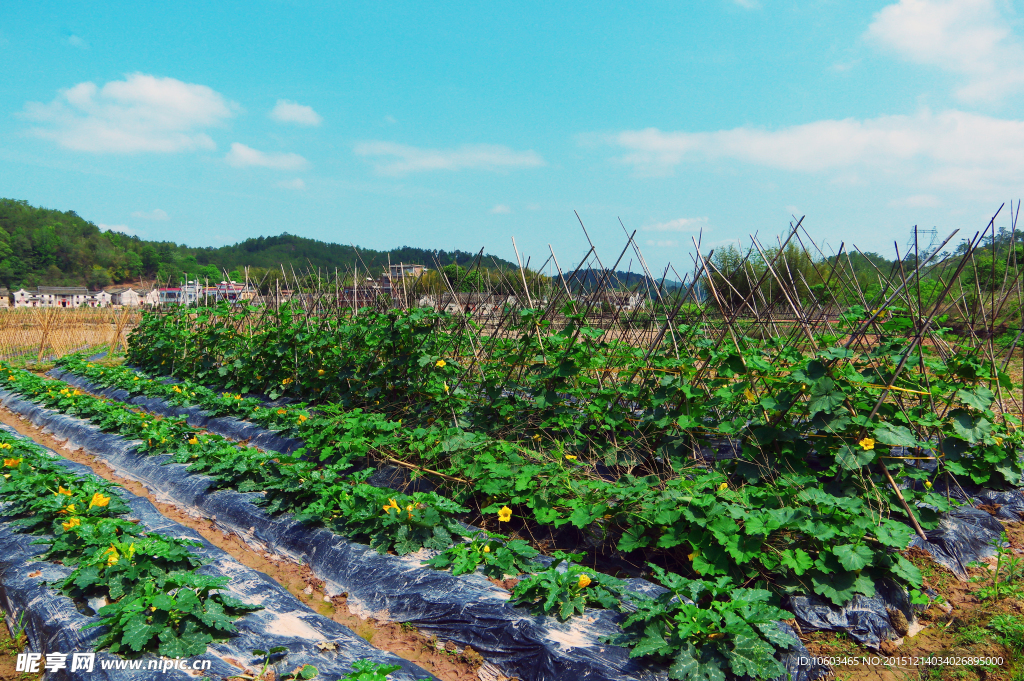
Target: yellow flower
(570, 457)
(5, 446)
(927, 484)
(446, 387)
(72, 522)
(319, 372)
(440, 364)
(281, 411)
(61, 490)
(505, 514)
(194, 441)
(112, 560)
(867, 444)
(584, 581)
(136, 378)
(70, 508)
(749, 394)
(12, 463)
(99, 500)
(724, 486)
(303, 418)
(286, 381)
(693, 555)
(999, 441)
(393, 505)
(487, 549)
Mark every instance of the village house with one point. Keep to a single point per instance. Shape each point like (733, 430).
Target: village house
(60, 296)
(129, 297)
(5, 297)
(477, 304)
(403, 270)
(622, 301)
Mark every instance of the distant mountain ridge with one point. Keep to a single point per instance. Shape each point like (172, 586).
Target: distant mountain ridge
(272, 251)
(591, 278)
(39, 246)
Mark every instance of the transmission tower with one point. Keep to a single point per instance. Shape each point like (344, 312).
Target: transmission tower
(924, 239)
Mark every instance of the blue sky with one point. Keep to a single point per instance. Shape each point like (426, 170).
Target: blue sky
(462, 125)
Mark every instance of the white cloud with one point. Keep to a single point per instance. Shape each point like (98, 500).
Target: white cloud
(140, 113)
(75, 41)
(398, 159)
(667, 243)
(533, 206)
(501, 209)
(291, 112)
(916, 201)
(971, 38)
(155, 214)
(951, 148)
(242, 156)
(844, 66)
(297, 183)
(123, 229)
(677, 225)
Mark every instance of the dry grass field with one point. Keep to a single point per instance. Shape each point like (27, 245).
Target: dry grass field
(38, 333)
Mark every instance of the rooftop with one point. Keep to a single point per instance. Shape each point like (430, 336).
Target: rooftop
(63, 290)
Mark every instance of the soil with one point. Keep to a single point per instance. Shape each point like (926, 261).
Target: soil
(439, 658)
(10, 646)
(964, 630)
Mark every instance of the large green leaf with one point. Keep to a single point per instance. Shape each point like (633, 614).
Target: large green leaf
(896, 436)
(907, 570)
(852, 458)
(137, 633)
(969, 428)
(824, 398)
(854, 556)
(979, 398)
(894, 534)
(752, 656)
(797, 559)
(841, 587)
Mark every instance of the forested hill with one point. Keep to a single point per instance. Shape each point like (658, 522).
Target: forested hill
(39, 246)
(272, 251)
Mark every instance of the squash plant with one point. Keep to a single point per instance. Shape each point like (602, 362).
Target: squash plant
(707, 630)
(157, 602)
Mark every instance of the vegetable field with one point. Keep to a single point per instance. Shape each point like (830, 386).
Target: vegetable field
(760, 434)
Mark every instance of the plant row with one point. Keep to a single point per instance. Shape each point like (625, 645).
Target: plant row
(806, 506)
(721, 628)
(155, 599)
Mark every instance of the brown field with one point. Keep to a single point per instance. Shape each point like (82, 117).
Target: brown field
(35, 334)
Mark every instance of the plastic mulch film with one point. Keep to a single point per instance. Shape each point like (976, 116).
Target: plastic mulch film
(55, 624)
(50, 621)
(197, 418)
(465, 609)
(964, 535)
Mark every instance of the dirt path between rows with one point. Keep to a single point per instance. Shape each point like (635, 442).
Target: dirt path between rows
(439, 659)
